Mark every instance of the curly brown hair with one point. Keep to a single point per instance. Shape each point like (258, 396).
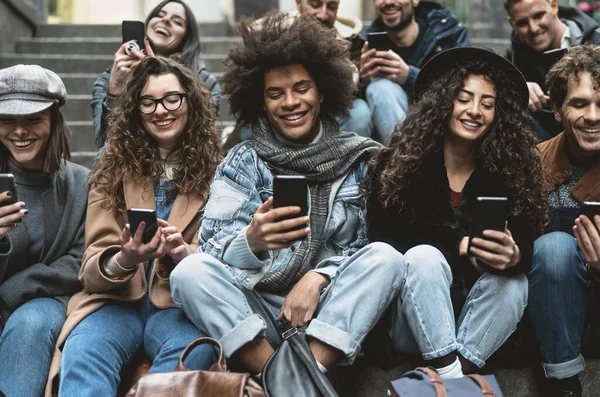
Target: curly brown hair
(279, 40)
(583, 58)
(132, 152)
(507, 149)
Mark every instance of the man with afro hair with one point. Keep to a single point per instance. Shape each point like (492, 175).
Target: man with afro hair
(289, 81)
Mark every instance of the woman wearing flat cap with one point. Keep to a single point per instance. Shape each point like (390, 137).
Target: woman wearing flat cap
(467, 135)
(42, 233)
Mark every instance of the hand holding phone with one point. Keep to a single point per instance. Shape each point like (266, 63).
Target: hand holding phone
(587, 234)
(379, 40)
(138, 215)
(133, 33)
(291, 191)
(11, 210)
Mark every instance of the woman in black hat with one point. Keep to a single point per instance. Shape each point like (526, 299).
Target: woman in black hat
(467, 135)
(42, 231)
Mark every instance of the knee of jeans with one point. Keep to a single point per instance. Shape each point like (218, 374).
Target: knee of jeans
(386, 261)
(195, 274)
(555, 257)
(512, 292)
(428, 264)
(360, 111)
(381, 89)
(36, 320)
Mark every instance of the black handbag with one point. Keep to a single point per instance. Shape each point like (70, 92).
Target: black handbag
(292, 369)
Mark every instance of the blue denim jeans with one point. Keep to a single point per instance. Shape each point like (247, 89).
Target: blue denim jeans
(360, 120)
(558, 284)
(104, 341)
(348, 308)
(423, 317)
(388, 103)
(27, 346)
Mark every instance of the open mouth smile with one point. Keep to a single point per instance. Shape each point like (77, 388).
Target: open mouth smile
(162, 32)
(590, 130)
(163, 124)
(470, 124)
(24, 143)
(296, 118)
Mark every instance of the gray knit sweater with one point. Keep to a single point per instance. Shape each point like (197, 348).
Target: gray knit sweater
(53, 270)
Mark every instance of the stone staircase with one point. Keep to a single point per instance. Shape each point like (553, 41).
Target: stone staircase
(79, 53)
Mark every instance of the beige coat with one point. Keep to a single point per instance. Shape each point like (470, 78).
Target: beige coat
(102, 237)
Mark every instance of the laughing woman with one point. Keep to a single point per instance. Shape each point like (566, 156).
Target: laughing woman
(42, 233)
(467, 135)
(161, 154)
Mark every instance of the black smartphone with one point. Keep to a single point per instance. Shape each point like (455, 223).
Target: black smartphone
(133, 30)
(550, 57)
(291, 191)
(139, 215)
(379, 40)
(590, 209)
(8, 184)
(489, 214)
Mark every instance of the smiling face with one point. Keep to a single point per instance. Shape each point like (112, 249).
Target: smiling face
(580, 115)
(165, 126)
(293, 102)
(395, 14)
(26, 138)
(536, 23)
(167, 30)
(324, 10)
(474, 109)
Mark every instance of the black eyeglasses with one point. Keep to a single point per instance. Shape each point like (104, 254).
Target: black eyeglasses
(170, 102)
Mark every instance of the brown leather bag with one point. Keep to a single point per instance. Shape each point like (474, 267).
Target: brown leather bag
(216, 382)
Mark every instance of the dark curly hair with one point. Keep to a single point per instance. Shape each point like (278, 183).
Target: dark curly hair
(583, 58)
(132, 152)
(279, 40)
(507, 149)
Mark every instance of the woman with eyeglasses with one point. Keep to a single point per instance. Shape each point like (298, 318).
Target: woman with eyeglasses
(161, 155)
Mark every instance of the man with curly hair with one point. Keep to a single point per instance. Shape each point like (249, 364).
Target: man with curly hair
(540, 26)
(416, 31)
(564, 279)
(289, 80)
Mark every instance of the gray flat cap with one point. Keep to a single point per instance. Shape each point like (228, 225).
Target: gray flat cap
(28, 89)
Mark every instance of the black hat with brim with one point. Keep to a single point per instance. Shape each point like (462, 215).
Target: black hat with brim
(453, 57)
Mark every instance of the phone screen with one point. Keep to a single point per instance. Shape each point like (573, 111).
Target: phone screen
(139, 215)
(489, 214)
(590, 209)
(379, 40)
(133, 30)
(8, 184)
(290, 191)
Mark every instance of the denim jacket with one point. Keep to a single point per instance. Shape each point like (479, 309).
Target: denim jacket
(241, 184)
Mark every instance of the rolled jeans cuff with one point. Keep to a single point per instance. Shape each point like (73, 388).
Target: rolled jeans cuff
(470, 356)
(564, 370)
(335, 338)
(440, 352)
(243, 333)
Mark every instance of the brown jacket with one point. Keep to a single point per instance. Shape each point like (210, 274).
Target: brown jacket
(557, 168)
(102, 236)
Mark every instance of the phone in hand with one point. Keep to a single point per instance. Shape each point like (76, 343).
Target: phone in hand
(139, 215)
(8, 184)
(291, 191)
(590, 209)
(133, 30)
(490, 213)
(379, 40)
(550, 57)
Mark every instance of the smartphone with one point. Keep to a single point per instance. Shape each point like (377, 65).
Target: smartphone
(550, 57)
(133, 30)
(379, 40)
(489, 214)
(8, 184)
(291, 191)
(139, 215)
(590, 209)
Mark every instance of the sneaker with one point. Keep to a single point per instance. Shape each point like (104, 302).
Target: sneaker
(568, 387)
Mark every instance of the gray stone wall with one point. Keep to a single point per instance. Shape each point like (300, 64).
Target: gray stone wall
(17, 19)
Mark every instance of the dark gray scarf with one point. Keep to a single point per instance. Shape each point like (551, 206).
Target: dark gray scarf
(322, 163)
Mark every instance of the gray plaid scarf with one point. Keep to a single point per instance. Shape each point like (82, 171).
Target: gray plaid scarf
(322, 163)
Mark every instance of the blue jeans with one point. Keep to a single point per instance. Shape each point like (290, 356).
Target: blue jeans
(388, 103)
(104, 341)
(558, 284)
(27, 346)
(359, 121)
(348, 308)
(423, 317)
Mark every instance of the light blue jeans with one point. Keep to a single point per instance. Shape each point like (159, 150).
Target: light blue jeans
(388, 103)
(558, 284)
(348, 308)
(360, 120)
(423, 317)
(27, 346)
(104, 341)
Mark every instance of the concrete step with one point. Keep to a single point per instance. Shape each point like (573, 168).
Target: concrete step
(84, 63)
(75, 30)
(105, 45)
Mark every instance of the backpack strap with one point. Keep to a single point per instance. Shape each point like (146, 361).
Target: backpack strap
(485, 387)
(434, 378)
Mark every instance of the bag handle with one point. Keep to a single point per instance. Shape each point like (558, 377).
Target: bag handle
(219, 366)
(485, 387)
(434, 378)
